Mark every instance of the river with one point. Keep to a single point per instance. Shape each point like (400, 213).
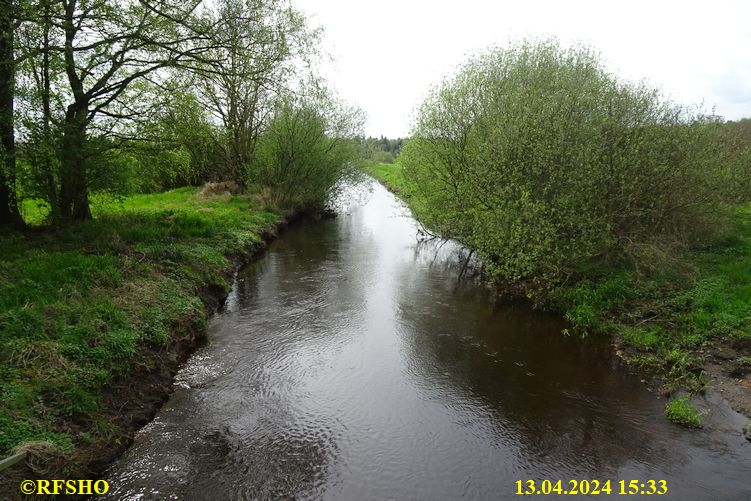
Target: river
(353, 362)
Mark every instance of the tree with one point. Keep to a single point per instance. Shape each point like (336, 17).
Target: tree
(308, 149)
(175, 146)
(257, 43)
(39, 93)
(8, 206)
(107, 47)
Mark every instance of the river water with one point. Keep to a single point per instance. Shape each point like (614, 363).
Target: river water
(352, 362)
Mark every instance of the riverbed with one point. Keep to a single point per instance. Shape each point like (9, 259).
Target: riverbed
(354, 361)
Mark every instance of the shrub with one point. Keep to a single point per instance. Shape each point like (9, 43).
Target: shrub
(180, 147)
(544, 162)
(383, 157)
(306, 151)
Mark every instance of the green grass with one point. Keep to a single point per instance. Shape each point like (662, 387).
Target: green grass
(78, 304)
(671, 316)
(34, 211)
(391, 175)
(681, 412)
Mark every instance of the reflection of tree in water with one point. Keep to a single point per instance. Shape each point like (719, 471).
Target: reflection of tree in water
(304, 251)
(447, 256)
(562, 399)
(352, 193)
(307, 260)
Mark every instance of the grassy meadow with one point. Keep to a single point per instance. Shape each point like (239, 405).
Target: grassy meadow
(80, 304)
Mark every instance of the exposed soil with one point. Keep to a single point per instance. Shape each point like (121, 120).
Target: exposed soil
(724, 372)
(729, 376)
(132, 401)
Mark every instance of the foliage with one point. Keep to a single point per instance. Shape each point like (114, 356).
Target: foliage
(380, 149)
(143, 97)
(307, 150)
(392, 175)
(177, 146)
(712, 302)
(107, 51)
(738, 139)
(544, 162)
(78, 306)
(680, 411)
(383, 157)
(257, 47)
(671, 318)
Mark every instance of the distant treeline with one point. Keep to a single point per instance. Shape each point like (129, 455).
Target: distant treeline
(380, 149)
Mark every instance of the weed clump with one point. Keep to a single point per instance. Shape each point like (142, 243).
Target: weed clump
(682, 412)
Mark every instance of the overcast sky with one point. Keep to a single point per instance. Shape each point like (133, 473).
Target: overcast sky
(389, 52)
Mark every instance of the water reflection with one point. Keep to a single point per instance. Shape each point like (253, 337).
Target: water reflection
(351, 362)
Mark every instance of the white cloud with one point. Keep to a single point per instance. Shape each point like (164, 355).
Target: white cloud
(388, 53)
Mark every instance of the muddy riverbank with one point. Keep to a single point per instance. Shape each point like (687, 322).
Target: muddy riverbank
(353, 362)
(132, 400)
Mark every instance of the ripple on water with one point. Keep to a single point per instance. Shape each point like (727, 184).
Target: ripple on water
(353, 362)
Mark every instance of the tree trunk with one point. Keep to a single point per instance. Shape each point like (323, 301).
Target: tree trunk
(74, 196)
(52, 192)
(8, 205)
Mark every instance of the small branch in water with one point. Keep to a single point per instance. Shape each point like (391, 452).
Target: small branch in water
(438, 250)
(422, 230)
(464, 268)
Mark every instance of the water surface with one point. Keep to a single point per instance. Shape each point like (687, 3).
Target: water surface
(352, 362)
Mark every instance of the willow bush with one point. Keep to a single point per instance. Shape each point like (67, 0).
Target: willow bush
(306, 152)
(543, 161)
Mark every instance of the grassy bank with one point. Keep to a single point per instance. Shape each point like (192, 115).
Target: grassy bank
(85, 307)
(687, 321)
(389, 174)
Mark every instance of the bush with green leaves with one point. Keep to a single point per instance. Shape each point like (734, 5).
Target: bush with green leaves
(177, 146)
(383, 157)
(307, 150)
(544, 162)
